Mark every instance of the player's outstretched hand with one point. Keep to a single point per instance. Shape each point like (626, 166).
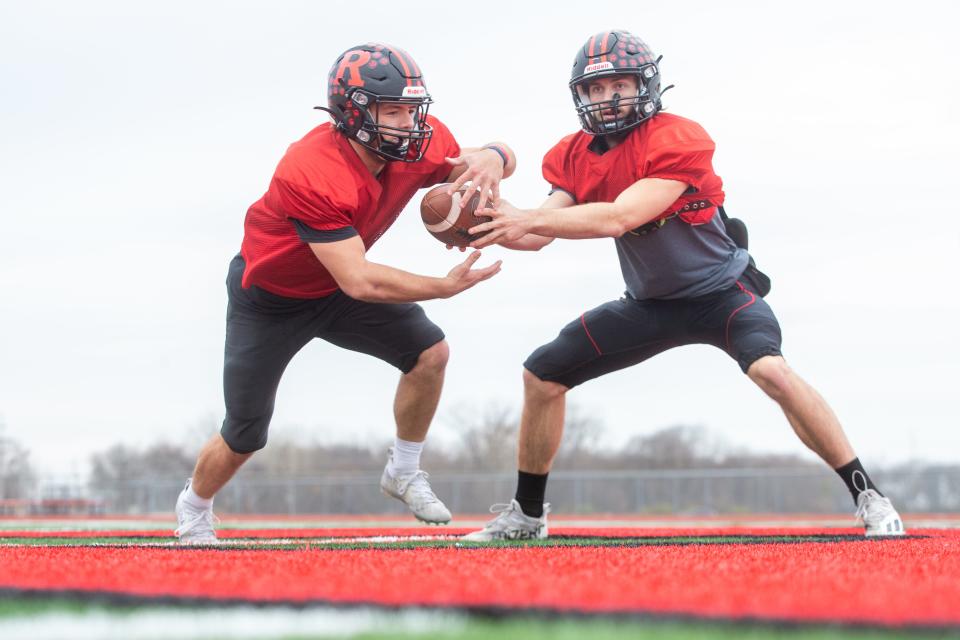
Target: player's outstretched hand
(509, 224)
(463, 276)
(484, 172)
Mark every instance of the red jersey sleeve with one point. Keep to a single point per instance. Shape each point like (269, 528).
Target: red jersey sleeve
(321, 210)
(556, 168)
(683, 151)
(680, 153)
(442, 146)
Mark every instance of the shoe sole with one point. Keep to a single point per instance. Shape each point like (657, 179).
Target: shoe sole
(424, 520)
(502, 539)
(900, 531)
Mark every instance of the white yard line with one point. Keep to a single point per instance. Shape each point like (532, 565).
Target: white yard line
(245, 542)
(207, 624)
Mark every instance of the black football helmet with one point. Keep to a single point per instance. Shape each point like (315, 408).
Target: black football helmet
(369, 75)
(612, 53)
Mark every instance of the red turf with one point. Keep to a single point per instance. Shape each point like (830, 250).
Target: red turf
(360, 532)
(912, 581)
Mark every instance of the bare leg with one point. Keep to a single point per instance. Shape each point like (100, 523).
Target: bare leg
(215, 466)
(808, 413)
(419, 393)
(541, 424)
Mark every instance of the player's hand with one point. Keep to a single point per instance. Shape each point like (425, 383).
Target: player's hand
(484, 172)
(509, 224)
(463, 276)
(450, 246)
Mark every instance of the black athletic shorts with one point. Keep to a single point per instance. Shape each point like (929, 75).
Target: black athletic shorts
(624, 332)
(265, 331)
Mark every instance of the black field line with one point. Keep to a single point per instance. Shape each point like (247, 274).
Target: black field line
(565, 541)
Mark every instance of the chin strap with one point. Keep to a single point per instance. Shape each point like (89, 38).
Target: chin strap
(337, 115)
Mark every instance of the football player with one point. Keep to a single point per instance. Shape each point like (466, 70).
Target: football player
(645, 178)
(302, 271)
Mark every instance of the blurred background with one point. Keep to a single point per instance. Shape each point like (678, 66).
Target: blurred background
(136, 135)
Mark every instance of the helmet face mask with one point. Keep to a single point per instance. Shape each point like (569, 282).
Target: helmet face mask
(365, 79)
(608, 55)
(388, 142)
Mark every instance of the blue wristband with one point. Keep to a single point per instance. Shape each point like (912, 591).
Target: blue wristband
(501, 153)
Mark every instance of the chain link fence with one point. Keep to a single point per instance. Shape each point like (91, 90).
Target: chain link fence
(675, 492)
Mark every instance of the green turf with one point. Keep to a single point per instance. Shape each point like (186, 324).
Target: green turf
(327, 543)
(521, 627)
(566, 629)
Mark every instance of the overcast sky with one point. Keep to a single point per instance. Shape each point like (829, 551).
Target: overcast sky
(135, 136)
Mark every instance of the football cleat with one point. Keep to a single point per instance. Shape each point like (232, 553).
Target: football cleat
(878, 515)
(512, 523)
(194, 526)
(413, 489)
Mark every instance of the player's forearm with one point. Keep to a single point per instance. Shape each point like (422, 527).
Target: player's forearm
(375, 282)
(529, 242)
(593, 220)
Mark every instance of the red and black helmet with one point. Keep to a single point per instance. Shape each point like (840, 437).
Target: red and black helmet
(371, 74)
(612, 53)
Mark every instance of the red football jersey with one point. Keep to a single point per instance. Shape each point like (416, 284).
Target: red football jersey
(322, 182)
(665, 146)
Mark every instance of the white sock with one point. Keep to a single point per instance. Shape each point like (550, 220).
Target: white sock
(191, 498)
(405, 459)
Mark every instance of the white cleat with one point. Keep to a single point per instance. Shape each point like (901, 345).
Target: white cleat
(194, 526)
(512, 523)
(414, 490)
(878, 515)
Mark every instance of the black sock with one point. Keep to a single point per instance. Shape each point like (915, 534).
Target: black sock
(531, 487)
(856, 478)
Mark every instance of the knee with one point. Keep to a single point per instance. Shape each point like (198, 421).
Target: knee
(543, 389)
(433, 361)
(773, 375)
(244, 436)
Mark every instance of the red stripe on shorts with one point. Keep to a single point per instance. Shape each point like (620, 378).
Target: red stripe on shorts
(583, 321)
(753, 299)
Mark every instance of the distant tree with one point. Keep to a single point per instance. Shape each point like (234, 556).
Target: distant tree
(675, 447)
(17, 477)
(130, 478)
(580, 447)
(287, 456)
(122, 463)
(488, 439)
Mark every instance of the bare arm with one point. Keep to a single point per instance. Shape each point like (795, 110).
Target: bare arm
(372, 282)
(533, 242)
(638, 204)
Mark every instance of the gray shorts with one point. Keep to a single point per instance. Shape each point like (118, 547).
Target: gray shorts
(625, 332)
(265, 331)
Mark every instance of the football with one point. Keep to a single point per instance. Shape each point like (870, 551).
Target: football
(446, 220)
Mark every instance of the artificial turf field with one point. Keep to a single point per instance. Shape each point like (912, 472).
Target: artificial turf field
(324, 578)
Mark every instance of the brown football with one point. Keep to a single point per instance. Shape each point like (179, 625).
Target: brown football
(446, 220)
